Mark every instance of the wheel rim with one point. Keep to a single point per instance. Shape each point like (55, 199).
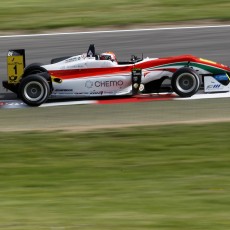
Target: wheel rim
(34, 91)
(186, 82)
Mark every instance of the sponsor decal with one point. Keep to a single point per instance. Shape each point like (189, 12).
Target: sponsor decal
(108, 93)
(63, 90)
(81, 93)
(216, 86)
(15, 68)
(73, 59)
(108, 83)
(90, 84)
(96, 92)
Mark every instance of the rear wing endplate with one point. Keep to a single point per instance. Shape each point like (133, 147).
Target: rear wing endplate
(15, 65)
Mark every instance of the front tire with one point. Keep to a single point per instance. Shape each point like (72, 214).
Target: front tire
(185, 82)
(34, 90)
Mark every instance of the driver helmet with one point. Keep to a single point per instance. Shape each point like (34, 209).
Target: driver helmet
(108, 56)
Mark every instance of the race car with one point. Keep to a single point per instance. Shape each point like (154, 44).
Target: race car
(99, 75)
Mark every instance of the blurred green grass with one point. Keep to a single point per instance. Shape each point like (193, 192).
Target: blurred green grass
(165, 177)
(53, 14)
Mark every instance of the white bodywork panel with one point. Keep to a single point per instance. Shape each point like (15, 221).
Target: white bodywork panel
(94, 86)
(212, 85)
(104, 85)
(114, 83)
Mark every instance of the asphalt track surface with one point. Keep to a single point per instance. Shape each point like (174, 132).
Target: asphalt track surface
(211, 42)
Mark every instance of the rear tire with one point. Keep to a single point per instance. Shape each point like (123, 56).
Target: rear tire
(185, 82)
(33, 68)
(34, 90)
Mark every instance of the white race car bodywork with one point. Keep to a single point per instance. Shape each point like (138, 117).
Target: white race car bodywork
(115, 80)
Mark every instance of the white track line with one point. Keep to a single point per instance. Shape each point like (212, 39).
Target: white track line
(86, 102)
(115, 31)
(205, 96)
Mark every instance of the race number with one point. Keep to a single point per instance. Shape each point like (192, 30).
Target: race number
(15, 65)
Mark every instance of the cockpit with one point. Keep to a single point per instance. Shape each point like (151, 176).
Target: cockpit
(111, 56)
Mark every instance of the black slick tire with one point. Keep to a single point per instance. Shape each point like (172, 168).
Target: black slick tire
(34, 90)
(185, 82)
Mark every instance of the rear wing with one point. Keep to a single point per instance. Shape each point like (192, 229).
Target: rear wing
(15, 65)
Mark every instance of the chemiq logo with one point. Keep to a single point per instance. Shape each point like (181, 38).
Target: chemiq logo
(89, 84)
(108, 83)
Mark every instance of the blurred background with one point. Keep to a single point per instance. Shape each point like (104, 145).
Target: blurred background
(38, 15)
